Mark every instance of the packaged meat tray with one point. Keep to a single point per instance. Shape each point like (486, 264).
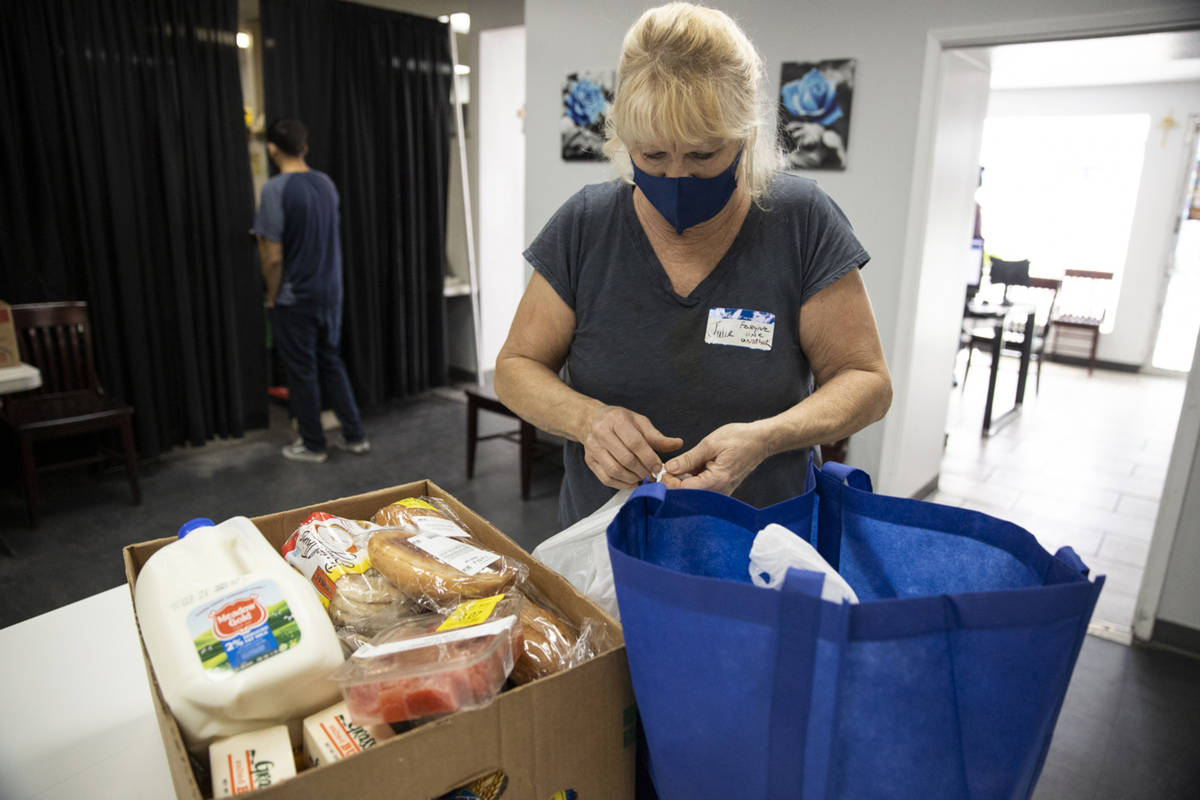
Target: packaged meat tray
(434, 664)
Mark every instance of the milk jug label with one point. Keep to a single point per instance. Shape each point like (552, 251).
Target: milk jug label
(242, 628)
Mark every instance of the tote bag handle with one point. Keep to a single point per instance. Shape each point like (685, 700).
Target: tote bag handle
(829, 531)
(853, 477)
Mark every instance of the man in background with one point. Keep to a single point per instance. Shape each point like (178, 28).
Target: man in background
(300, 247)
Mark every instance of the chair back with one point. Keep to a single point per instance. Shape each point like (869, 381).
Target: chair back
(57, 339)
(1085, 297)
(1042, 294)
(1046, 290)
(1008, 273)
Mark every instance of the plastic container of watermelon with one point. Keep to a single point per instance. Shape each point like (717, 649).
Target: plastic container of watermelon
(434, 664)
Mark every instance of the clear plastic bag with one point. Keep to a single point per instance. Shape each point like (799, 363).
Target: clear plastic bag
(332, 552)
(429, 515)
(438, 570)
(551, 643)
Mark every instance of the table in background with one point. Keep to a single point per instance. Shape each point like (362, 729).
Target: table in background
(76, 695)
(1000, 315)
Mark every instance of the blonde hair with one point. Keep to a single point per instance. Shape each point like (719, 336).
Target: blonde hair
(689, 74)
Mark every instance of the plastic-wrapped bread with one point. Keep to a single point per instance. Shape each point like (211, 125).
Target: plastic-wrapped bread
(423, 514)
(439, 571)
(332, 553)
(549, 642)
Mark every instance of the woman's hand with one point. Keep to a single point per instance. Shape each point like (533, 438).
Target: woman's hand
(721, 461)
(620, 446)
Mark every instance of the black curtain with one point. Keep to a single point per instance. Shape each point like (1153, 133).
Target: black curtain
(126, 182)
(373, 88)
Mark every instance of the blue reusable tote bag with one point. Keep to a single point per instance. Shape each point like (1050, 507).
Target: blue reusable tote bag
(944, 681)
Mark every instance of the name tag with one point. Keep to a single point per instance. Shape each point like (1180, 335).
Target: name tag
(740, 327)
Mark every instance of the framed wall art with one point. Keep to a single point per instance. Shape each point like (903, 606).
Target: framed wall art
(814, 112)
(587, 98)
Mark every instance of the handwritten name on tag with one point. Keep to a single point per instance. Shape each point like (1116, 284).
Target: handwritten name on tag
(740, 327)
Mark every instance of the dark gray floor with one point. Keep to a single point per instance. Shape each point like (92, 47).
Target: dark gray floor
(1129, 729)
(76, 550)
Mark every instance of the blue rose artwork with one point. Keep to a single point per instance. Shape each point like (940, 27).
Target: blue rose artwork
(814, 112)
(587, 98)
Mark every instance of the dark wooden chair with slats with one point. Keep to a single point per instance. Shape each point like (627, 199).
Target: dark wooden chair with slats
(56, 338)
(1081, 312)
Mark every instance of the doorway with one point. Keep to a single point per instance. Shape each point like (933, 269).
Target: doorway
(1179, 322)
(1112, 518)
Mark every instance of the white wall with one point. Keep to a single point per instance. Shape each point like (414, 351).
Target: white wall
(890, 155)
(501, 179)
(1151, 237)
(962, 107)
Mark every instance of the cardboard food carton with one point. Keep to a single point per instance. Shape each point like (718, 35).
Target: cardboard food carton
(570, 731)
(10, 354)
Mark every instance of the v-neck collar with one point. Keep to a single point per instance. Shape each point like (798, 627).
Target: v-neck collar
(655, 271)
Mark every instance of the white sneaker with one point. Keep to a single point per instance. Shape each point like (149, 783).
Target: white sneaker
(358, 448)
(296, 451)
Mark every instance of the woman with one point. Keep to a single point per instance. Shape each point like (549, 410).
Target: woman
(694, 300)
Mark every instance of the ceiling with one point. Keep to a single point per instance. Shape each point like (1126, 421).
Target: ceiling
(1137, 58)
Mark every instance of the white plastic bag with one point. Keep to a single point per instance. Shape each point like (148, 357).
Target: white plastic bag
(776, 548)
(580, 554)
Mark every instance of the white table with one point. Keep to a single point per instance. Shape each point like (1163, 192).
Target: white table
(79, 718)
(19, 378)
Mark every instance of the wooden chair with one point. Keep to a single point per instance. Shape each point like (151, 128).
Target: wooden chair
(56, 338)
(1081, 311)
(1042, 293)
(483, 397)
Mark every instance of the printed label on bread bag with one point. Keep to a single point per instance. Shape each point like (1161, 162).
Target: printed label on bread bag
(415, 502)
(460, 555)
(426, 523)
(324, 550)
(740, 327)
(437, 526)
(242, 628)
(472, 612)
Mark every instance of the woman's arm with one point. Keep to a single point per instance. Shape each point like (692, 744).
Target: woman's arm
(619, 445)
(838, 334)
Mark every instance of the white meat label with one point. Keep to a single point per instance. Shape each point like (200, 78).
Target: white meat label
(460, 555)
(740, 327)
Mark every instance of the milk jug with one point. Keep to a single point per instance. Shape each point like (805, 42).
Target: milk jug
(239, 640)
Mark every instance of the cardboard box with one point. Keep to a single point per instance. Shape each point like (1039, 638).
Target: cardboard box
(573, 730)
(10, 352)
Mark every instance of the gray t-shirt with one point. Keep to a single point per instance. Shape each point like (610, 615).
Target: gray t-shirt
(728, 352)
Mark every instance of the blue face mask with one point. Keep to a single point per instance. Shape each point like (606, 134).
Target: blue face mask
(685, 202)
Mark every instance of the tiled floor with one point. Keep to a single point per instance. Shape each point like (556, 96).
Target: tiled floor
(1082, 464)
